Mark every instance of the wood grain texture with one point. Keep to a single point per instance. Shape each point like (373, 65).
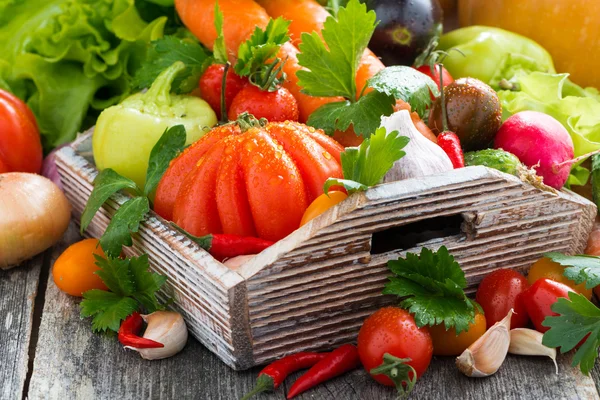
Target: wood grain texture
(18, 289)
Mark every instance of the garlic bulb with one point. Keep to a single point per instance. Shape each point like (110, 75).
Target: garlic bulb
(528, 342)
(423, 157)
(485, 356)
(166, 327)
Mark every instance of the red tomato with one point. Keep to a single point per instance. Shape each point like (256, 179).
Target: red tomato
(539, 299)
(436, 75)
(211, 82)
(20, 144)
(393, 330)
(499, 292)
(277, 106)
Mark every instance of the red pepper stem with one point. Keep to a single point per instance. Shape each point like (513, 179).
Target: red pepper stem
(129, 330)
(263, 383)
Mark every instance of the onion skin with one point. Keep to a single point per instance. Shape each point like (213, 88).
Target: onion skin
(35, 215)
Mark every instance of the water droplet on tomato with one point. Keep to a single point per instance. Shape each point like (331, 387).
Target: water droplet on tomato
(255, 181)
(327, 155)
(276, 180)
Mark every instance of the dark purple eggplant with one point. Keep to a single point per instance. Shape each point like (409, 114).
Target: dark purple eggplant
(405, 29)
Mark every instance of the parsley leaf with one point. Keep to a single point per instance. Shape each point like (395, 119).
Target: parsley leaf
(365, 114)
(406, 83)
(366, 165)
(431, 287)
(168, 146)
(331, 66)
(580, 269)
(107, 308)
(219, 49)
(168, 50)
(577, 318)
(131, 284)
(254, 54)
(107, 183)
(596, 179)
(126, 220)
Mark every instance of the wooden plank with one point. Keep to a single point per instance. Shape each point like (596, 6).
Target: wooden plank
(18, 290)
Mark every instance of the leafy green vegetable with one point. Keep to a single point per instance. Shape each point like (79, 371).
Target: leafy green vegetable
(577, 318)
(131, 284)
(544, 92)
(257, 56)
(107, 183)
(364, 114)
(332, 65)
(219, 49)
(69, 58)
(579, 269)
(170, 144)
(492, 54)
(366, 165)
(166, 51)
(126, 220)
(431, 287)
(406, 83)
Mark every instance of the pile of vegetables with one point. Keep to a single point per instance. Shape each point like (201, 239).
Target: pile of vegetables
(258, 117)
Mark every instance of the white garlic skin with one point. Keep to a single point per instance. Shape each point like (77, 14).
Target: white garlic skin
(528, 342)
(168, 328)
(423, 157)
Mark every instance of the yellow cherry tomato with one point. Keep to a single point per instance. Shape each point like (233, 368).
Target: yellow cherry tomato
(321, 204)
(447, 343)
(546, 268)
(73, 271)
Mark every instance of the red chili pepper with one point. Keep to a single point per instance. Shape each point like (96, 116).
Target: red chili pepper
(339, 361)
(128, 333)
(275, 373)
(450, 143)
(222, 245)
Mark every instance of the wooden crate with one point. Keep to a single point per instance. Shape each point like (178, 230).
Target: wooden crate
(312, 290)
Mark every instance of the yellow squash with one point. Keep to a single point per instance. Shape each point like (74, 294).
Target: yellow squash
(568, 29)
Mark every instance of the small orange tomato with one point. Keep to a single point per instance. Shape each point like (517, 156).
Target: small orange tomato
(321, 204)
(73, 271)
(447, 343)
(546, 268)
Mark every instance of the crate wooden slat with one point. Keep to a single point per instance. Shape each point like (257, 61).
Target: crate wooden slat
(313, 289)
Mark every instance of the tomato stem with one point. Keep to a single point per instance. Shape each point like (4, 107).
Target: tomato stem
(399, 372)
(223, 88)
(442, 99)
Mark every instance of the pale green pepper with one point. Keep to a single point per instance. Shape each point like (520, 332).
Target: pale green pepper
(126, 133)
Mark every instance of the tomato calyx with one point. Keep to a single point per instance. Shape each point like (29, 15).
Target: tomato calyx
(269, 77)
(398, 370)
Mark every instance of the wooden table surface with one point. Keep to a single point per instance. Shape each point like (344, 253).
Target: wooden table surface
(48, 352)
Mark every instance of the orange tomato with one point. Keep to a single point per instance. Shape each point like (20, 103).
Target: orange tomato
(546, 268)
(447, 343)
(321, 204)
(73, 271)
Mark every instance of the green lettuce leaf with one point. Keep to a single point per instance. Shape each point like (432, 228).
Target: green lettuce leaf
(69, 58)
(545, 92)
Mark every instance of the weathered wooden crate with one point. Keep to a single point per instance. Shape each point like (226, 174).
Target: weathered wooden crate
(313, 289)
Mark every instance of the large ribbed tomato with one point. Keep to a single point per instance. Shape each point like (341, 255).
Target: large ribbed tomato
(255, 183)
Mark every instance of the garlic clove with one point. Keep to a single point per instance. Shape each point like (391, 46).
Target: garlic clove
(528, 342)
(485, 356)
(168, 328)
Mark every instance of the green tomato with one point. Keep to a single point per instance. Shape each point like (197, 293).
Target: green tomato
(126, 133)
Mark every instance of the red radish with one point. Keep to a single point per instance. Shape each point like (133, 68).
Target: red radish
(539, 141)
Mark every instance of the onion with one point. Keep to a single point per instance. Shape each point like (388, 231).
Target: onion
(49, 169)
(34, 215)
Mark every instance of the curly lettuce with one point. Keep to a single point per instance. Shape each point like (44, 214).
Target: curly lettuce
(68, 59)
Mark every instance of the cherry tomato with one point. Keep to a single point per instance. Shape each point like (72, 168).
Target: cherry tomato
(546, 268)
(322, 204)
(277, 106)
(538, 300)
(393, 330)
(447, 78)
(211, 82)
(73, 271)
(499, 292)
(447, 343)
(20, 144)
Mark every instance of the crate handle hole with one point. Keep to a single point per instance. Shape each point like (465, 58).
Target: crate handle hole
(411, 235)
